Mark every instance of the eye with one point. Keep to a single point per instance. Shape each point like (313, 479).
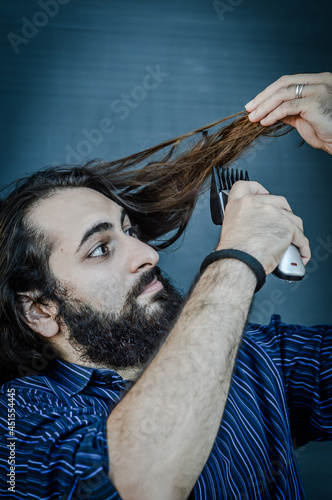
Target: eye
(130, 231)
(100, 251)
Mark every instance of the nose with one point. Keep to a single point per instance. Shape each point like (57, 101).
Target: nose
(141, 257)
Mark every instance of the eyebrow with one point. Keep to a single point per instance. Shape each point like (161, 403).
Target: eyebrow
(100, 227)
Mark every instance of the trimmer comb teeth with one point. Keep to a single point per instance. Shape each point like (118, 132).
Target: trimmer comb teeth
(229, 177)
(291, 267)
(221, 183)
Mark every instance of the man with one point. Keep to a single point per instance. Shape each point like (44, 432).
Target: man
(214, 412)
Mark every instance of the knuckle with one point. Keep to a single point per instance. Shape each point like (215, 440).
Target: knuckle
(281, 92)
(327, 74)
(322, 88)
(283, 79)
(246, 201)
(254, 185)
(300, 221)
(327, 88)
(281, 110)
(269, 210)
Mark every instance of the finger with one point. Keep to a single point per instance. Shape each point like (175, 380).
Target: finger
(309, 93)
(286, 81)
(302, 243)
(242, 188)
(291, 108)
(298, 237)
(295, 219)
(284, 94)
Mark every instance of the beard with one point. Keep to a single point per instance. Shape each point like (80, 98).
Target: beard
(127, 338)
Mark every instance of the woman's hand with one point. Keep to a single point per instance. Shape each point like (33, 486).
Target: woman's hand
(310, 114)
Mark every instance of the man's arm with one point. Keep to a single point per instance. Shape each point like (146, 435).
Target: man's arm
(160, 435)
(311, 114)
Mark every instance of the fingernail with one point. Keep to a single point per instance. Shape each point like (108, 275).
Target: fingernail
(249, 105)
(252, 115)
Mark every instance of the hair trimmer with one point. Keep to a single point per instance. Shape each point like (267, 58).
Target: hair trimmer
(291, 267)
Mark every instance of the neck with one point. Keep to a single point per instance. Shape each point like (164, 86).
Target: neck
(68, 353)
(129, 373)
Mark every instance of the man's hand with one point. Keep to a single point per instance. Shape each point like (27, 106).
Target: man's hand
(311, 115)
(262, 225)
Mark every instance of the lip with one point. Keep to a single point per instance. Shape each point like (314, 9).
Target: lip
(154, 286)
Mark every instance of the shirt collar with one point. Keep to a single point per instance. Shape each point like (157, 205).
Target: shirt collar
(74, 378)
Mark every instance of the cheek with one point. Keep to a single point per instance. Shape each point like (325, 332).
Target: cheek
(107, 295)
(101, 287)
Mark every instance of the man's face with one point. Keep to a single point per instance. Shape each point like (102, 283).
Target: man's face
(117, 306)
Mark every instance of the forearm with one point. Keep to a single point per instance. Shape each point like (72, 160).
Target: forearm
(161, 434)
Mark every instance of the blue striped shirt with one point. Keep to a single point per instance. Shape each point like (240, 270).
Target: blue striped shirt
(53, 424)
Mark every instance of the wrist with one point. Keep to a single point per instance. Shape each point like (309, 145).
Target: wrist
(244, 258)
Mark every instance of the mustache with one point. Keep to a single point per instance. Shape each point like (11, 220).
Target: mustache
(144, 281)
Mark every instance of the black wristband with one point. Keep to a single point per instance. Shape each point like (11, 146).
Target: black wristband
(231, 253)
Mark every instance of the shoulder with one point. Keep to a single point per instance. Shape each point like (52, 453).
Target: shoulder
(284, 342)
(277, 331)
(34, 382)
(27, 392)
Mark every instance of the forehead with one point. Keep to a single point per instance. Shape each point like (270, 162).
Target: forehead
(69, 211)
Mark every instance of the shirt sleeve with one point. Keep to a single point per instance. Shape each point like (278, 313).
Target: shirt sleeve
(62, 453)
(303, 356)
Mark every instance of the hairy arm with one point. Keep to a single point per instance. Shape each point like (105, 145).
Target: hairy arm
(160, 435)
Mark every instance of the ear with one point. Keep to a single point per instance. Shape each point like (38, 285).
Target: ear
(39, 317)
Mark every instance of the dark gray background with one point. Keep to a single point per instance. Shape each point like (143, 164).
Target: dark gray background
(74, 66)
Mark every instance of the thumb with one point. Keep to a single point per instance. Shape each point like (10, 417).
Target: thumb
(290, 120)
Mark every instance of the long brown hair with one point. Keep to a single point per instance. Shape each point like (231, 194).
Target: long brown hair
(162, 193)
